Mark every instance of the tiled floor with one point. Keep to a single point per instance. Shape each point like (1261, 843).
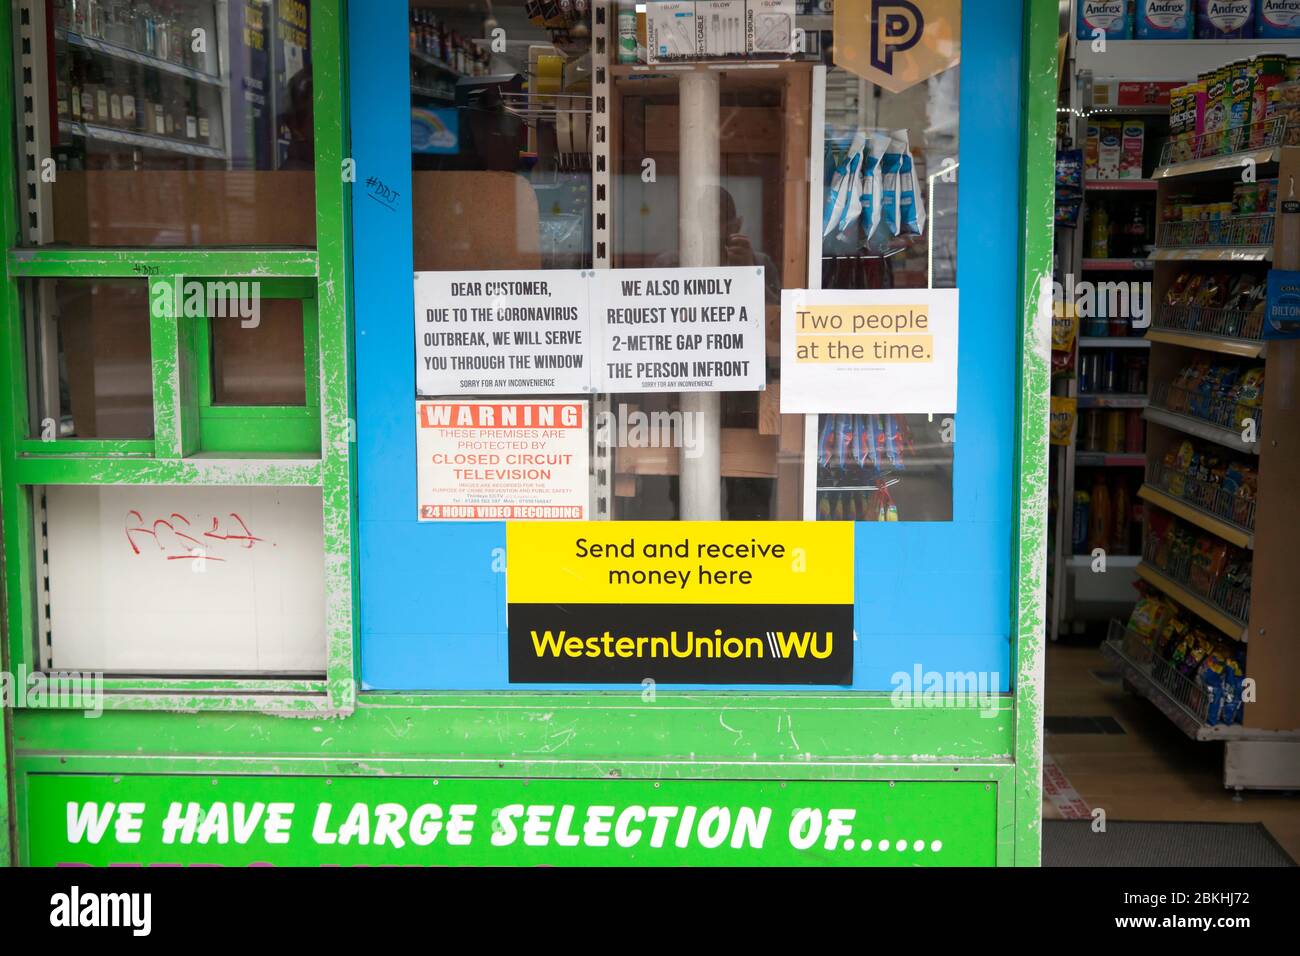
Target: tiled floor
(1153, 771)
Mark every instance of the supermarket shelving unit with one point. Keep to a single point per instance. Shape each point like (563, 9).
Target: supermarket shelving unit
(1264, 751)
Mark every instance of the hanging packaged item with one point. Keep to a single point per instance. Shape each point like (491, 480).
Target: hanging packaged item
(837, 196)
(1064, 415)
(911, 210)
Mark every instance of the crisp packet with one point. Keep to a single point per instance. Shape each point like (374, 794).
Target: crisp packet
(837, 197)
(911, 209)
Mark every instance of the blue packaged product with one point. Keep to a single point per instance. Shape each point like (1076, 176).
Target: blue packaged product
(1278, 20)
(1225, 19)
(1111, 17)
(1164, 19)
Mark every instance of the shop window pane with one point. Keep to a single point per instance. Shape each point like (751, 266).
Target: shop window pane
(525, 161)
(91, 370)
(172, 122)
(257, 354)
(184, 581)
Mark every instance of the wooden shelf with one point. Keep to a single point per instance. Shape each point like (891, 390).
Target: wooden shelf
(1198, 605)
(1233, 534)
(1199, 428)
(1242, 348)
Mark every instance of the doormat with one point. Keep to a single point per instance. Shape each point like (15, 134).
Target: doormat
(1155, 843)
(1081, 725)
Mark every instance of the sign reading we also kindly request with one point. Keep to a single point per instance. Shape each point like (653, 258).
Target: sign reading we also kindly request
(887, 352)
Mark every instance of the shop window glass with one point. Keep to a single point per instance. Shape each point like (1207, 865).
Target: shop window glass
(92, 374)
(149, 580)
(169, 122)
(524, 161)
(257, 353)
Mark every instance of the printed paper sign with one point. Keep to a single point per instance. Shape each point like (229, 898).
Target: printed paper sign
(502, 461)
(697, 603)
(680, 330)
(869, 351)
(502, 333)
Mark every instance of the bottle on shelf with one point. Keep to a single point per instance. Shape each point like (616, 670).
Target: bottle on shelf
(1288, 228)
(1122, 510)
(1080, 522)
(192, 114)
(1099, 237)
(1099, 522)
(130, 109)
(77, 77)
(145, 33)
(176, 42)
(115, 85)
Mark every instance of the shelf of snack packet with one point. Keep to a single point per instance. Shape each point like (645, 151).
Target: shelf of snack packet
(1180, 595)
(1156, 664)
(1207, 510)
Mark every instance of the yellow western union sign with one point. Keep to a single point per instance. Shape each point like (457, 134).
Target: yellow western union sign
(681, 602)
(661, 562)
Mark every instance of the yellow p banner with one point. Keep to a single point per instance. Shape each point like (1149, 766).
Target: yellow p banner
(897, 44)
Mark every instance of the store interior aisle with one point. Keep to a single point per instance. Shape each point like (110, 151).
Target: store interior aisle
(1151, 771)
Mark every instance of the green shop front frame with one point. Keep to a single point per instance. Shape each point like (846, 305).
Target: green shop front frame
(934, 785)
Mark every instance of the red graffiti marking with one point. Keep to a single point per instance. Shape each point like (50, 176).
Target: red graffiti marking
(170, 535)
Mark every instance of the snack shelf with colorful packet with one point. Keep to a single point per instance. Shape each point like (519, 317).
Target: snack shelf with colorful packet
(1219, 529)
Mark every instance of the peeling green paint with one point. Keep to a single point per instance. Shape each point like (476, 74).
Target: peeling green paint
(1040, 87)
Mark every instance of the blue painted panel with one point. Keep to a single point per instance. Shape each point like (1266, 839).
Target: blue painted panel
(938, 596)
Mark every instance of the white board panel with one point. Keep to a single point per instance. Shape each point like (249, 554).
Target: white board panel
(186, 580)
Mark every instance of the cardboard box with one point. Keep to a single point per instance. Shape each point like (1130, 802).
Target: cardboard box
(1110, 149)
(671, 32)
(1132, 149)
(1092, 150)
(720, 28)
(769, 28)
